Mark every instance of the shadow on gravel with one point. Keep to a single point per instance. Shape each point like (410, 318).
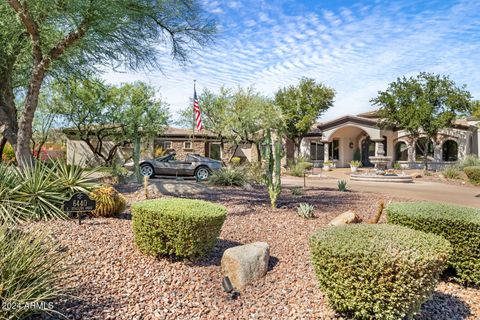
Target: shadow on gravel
(444, 306)
(75, 308)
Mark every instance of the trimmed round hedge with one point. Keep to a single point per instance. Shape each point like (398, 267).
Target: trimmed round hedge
(377, 271)
(180, 227)
(459, 225)
(473, 174)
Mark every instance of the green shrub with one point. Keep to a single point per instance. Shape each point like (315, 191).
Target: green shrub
(181, 227)
(255, 172)
(298, 169)
(297, 191)
(30, 273)
(469, 161)
(377, 271)
(8, 155)
(473, 174)
(228, 177)
(459, 225)
(235, 161)
(451, 172)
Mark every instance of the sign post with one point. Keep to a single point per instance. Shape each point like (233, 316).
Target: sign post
(79, 203)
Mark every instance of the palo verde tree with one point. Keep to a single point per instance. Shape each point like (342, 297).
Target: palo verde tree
(422, 105)
(144, 116)
(301, 105)
(49, 38)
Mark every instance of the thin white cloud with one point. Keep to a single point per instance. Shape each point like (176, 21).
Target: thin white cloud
(356, 50)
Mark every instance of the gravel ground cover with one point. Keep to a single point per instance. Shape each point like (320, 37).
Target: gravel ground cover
(112, 280)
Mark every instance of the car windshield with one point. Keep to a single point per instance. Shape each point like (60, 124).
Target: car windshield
(165, 158)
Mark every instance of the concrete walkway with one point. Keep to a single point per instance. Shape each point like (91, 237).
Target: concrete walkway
(419, 190)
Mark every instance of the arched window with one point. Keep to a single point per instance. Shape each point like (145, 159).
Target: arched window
(421, 145)
(450, 151)
(401, 151)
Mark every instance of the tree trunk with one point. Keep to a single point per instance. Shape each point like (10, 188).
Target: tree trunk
(24, 136)
(3, 142)
(297, 143)
(136, 157)
(259, 151)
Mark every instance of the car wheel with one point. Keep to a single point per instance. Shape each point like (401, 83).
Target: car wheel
(146, 170)
(202, 173)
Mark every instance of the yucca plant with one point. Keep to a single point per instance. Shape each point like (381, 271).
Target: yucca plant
(41, 189)
(11, 210)
(73, 178)
(30, 273)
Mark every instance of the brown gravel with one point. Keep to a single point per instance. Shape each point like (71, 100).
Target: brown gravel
(114, 281)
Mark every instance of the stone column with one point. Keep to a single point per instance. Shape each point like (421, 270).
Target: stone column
(379, 148)
(326, 155)
(411, 151)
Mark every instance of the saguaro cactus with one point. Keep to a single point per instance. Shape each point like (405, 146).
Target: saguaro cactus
(273, 157)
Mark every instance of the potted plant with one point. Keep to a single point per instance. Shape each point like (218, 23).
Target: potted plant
(327, 165)
(354, 165)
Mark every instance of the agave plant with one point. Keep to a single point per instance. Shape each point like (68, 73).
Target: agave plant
(29, 274)
(305, 210)
(342, 185)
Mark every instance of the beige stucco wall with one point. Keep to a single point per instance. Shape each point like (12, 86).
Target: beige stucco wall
(78, 152)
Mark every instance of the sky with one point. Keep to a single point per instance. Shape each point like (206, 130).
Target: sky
(354, 47)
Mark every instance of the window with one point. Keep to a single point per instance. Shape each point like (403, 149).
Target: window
(165, 145)
(316, 151)
(401, 151)
(450, 151)
(215, 151)
(187, 145)
(334, 150)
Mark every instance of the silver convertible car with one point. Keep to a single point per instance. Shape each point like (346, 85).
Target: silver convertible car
(193, 165)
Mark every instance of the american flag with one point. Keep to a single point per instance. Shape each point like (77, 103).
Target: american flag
(196, 110)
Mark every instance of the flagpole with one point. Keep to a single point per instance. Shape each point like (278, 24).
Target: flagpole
(193, 123)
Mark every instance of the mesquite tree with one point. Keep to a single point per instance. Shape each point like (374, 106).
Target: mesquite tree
(422, 105)
(301, 106)
(48, 38)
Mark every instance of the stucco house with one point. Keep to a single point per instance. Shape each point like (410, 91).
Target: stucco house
(357, 137)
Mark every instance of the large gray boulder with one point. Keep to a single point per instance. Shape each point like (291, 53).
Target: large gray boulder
(245, 264)
(347, 217)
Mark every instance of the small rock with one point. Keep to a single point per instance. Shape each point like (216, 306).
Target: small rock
(244, 264)
(347, 217)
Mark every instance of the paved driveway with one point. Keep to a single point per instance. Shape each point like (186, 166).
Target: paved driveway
(419, 190)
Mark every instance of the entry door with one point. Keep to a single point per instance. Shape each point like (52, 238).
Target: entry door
(368, 150)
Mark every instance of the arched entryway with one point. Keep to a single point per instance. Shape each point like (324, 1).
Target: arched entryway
(450, 151)
(401, 151)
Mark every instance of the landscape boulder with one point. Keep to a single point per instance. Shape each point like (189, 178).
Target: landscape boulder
(347, 217)
(245, 264)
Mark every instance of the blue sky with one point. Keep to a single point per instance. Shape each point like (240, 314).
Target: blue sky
(355, 47)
